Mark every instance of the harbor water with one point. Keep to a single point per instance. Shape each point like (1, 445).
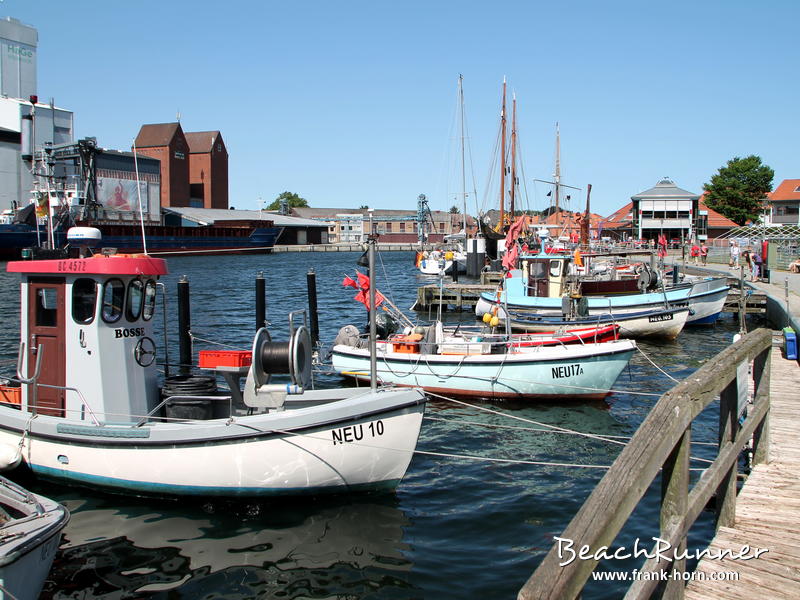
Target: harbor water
(455, 527)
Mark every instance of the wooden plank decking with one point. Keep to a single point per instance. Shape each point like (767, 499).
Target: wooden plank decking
(767, 509)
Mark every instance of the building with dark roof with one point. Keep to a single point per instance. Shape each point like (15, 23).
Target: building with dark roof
(167, 143)
(208, 169)
(669, 210)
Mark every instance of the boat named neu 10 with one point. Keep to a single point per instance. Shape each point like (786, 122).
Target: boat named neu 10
(90, 412)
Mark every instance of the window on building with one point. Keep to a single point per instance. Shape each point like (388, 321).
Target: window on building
(441, 226)
(388, 227)
(402, 227)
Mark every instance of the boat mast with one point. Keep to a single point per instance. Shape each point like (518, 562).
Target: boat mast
(557, 174)
(513, 153)
(501, 222)
(463, 166)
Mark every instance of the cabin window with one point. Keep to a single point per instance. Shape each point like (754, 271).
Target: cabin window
(537, 270)
(555, 268)
(113, 299)
(46, 307)
(84, 300)
(149, 300)
(133, 307)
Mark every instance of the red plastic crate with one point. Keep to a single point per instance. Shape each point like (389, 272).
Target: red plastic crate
(211, 359)
(10, 395)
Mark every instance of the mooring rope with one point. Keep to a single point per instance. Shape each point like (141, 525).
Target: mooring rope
(662, 371)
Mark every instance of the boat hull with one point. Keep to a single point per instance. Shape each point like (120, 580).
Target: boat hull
(560, 372)
(707, 300)
(30, 544)
(361, 442)
(665, 323)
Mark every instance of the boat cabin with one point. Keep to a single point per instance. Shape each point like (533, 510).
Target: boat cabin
(88, 325)
(542, 275)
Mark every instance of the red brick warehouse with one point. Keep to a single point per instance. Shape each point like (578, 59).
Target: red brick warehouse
(208, 169)
(194, 166)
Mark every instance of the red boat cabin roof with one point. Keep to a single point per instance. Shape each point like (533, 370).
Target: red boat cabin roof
(119, 264)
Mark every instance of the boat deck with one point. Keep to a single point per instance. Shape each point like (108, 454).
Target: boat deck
(767, 509)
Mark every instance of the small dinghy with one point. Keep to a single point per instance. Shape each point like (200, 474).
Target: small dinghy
(30, 533)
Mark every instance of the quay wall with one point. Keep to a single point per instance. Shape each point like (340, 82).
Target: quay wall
(355, 247)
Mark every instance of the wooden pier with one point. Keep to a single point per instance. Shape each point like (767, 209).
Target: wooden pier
(749, 375)
(767, 509)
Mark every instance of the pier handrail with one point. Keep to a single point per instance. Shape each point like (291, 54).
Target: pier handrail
(661, 444)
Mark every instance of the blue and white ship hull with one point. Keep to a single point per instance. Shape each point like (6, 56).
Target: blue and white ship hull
(556, 372)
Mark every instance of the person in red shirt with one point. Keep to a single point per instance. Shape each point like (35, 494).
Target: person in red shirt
(703, 254)
(695, 252)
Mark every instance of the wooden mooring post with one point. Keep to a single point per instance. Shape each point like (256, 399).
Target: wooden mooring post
(661, 444)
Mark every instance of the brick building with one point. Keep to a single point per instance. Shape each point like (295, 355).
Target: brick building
(208, 169)
(167, 143)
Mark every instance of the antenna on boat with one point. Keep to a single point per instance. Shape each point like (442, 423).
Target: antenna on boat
(139, 196)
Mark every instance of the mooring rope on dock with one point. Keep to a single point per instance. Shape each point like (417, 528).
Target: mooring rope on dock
(552, 428)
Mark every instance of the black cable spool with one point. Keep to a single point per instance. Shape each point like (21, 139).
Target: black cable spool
(275, 357)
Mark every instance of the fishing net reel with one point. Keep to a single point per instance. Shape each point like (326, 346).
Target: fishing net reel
(278, 358)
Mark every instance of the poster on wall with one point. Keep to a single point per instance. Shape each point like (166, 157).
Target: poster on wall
(120, 194)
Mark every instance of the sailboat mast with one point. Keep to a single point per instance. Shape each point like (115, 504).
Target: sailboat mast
(557, 174)
(502, 157)
(463, 164)
(513, 153)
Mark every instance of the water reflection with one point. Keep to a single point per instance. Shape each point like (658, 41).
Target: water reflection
(246, 550)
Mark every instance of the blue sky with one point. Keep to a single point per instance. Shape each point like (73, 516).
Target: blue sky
(352, 103)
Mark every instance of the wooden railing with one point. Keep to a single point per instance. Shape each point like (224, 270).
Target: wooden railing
(661, 444)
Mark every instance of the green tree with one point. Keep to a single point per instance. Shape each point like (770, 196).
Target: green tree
(363, 207)
(738, 190)
(293, 200)
(454, 210)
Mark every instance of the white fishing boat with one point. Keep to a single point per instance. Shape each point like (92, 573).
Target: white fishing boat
(661, 322)
(30, 533)
(544, 284)
(488, 366)
(90, 410)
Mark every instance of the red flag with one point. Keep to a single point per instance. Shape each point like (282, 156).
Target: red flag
(349, 282)
(363, 281)
(363, 297)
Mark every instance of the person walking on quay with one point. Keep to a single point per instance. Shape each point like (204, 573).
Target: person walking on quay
(694, 252)
(703, 254)
(746, 261)
(756, 260)
(734, 262)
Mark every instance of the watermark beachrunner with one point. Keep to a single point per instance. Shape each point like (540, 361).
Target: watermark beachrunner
(662, 551)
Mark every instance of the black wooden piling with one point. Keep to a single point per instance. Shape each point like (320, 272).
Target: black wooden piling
(311, 279)
(261, 301)
(184, 326)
